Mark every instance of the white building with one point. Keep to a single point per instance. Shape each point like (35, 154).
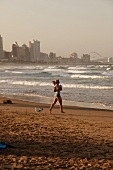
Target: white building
(34, 48)
(1, 48)
(24, 53)
(110, 60)
(15, 52)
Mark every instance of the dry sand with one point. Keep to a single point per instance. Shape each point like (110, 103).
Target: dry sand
(78, 139)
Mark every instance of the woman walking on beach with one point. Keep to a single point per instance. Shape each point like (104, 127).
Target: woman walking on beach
(57, 97)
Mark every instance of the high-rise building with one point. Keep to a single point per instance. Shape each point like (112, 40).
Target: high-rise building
(24, 53)
(85, 58)
(43, 57)
(7, 55)
(73, 58)
(15, 52)
(52, 57)
(34, 48)
(1, 48)
(110, 60)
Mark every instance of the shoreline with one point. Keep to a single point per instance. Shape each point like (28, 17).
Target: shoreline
(49, 100)
(16, 103)
(52, 64)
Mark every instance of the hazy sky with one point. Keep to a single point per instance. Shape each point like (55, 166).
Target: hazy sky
(62, 26)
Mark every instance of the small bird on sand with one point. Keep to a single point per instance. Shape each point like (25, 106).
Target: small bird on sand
(37, 109)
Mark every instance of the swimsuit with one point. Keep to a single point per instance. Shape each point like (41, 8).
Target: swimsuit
(57, 93)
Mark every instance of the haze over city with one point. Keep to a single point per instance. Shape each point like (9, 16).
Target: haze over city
(62, 26)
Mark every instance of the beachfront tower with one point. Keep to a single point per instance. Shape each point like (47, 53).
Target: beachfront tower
(1, 48)
(34, 48)
(15, 52)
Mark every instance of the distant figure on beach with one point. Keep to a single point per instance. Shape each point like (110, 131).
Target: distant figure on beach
(57, 96)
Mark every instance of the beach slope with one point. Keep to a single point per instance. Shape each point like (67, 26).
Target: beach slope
(80, 138)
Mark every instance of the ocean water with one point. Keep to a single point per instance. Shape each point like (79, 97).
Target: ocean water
(90, 85)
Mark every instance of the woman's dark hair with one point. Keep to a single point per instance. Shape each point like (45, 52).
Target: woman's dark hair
(57, 81)
(54, 82)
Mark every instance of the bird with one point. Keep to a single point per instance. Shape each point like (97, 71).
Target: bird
(38, 109)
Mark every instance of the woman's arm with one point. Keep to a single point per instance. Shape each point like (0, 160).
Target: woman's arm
(55, 89)
(60, 87)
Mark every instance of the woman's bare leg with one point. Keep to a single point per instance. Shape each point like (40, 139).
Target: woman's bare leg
(61, 107)
(52, 105)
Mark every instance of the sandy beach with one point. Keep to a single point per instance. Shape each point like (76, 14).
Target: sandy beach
(78, 139)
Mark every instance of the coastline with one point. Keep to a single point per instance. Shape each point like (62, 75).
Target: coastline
(49, 100)
(81, 138)
(52, 64)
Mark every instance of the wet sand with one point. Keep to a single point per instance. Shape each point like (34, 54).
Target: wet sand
(80, 138)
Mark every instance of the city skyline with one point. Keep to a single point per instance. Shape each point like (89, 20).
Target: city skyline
(32, 53)
(61, 27)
